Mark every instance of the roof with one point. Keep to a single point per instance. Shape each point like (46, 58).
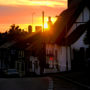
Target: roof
(74, 3)
(32, 43)
(27, 42)
(8, 44)
(66, 20)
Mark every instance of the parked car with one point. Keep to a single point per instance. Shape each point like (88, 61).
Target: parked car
(11, 73)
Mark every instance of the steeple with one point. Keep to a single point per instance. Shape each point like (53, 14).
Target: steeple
(49, 22)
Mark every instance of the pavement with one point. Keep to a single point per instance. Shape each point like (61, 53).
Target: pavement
(79, 78)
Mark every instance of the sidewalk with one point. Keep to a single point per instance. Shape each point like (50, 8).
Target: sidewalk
(79, 78)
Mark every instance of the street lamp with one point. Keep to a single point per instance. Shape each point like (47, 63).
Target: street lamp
(32, 19)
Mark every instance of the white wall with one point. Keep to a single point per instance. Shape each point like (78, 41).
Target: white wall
(80, 18)
(64, 55)
(86, 13)
(79, 43)
(71, 29)
(83, 18)
(62, 58)
(69, 58)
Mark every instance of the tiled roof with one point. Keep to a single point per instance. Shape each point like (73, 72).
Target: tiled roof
(8, 44)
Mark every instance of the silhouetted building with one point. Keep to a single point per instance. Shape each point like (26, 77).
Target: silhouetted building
(69, 2)
(38, 28)
(29, 28)
(73, 3)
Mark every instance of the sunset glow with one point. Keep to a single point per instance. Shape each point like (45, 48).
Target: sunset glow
(20, 12)
(46, 26)
(49, 3)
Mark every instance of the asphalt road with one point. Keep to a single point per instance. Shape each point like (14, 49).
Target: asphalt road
(39, 83)
(61, 84)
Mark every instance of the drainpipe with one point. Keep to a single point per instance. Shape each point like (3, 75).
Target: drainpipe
(70, 56)
(66, 52)
(66, 58)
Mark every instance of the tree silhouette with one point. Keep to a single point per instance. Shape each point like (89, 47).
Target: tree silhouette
(14, 33)
(14, 29)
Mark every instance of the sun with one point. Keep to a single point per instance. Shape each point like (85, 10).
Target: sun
(46, 26)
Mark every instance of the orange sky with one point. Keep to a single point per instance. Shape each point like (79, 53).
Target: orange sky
(21, 12)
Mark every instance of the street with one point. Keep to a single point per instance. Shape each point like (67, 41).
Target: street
(36, 83)
(61, 84)
(39, 83)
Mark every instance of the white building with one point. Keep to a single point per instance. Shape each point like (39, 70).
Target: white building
(69, 32)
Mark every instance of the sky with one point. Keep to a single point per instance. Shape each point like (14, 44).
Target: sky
(26, 12)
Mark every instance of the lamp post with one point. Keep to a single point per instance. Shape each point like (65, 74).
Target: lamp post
(43, 20)
(43, 49)
(66, 51)
(32, 19)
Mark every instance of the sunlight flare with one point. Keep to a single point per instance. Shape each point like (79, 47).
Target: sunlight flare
(46, 26)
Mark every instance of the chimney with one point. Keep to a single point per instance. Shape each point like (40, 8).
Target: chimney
(69, 2)
(49, 19)
(30, 29)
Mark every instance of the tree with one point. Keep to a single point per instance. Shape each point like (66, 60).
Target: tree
(14, 32)
(14, 29)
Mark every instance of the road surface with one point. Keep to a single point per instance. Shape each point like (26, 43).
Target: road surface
(61, 84)
(37, 83)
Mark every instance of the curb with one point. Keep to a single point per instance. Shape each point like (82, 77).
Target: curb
(75, 82)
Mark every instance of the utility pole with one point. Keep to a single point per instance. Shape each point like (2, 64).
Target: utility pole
(43, 20)
(43, 49)
(32, 19)
(66, 51)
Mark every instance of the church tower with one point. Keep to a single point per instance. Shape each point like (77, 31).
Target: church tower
(49, 22)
